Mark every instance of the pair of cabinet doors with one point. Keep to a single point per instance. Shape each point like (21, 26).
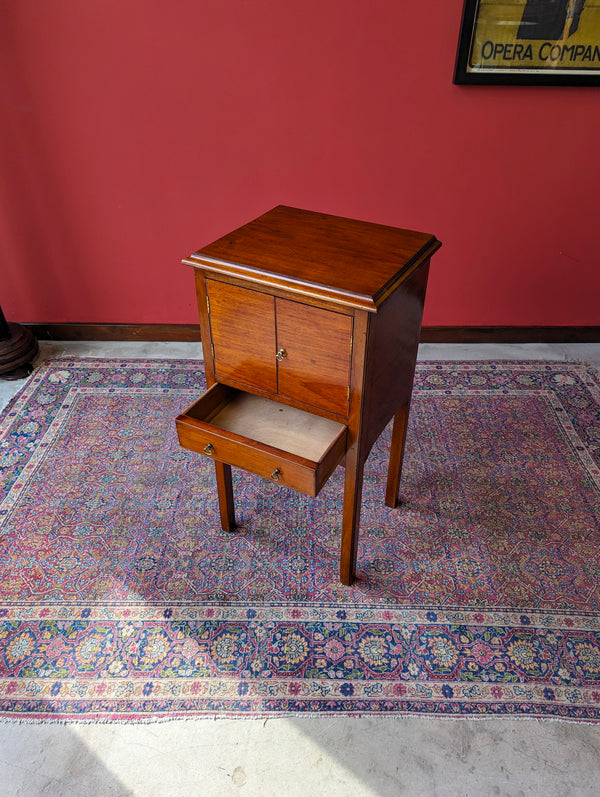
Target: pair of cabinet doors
(281, 346)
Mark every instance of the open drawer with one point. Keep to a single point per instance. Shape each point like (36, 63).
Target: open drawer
(281, 443)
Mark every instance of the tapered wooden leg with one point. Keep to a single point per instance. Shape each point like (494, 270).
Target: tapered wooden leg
(351, 519)
(396, 455)
(225, 490)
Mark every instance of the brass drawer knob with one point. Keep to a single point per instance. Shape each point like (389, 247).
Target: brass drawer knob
(281, 354)
(209, 450)
(275, 475)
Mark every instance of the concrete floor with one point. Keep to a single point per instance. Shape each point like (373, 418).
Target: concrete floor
(304, 756)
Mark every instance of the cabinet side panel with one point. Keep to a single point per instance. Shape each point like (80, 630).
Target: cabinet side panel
(209, 368)
(242, 325)
(393, 347)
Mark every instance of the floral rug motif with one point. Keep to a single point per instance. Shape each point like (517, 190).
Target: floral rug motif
(122, 599)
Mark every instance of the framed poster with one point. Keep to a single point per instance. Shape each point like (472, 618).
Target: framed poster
(530, 42)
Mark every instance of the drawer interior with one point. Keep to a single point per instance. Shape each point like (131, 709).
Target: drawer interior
(267, 422)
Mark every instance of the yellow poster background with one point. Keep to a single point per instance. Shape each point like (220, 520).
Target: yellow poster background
(497, 46)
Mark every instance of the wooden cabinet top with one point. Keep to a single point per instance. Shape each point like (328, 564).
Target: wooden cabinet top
(355, 263)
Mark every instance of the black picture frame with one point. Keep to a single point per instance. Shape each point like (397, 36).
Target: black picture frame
(509, 42)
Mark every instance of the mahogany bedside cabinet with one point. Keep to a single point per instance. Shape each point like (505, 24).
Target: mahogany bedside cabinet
(310, 325)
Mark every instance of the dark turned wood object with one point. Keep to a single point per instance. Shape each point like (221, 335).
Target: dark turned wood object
(18, 348)
(310, 324)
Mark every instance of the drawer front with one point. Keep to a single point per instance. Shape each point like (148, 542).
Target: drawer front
(199, 431)
(318, 350)
(242, 325)
(271, 466)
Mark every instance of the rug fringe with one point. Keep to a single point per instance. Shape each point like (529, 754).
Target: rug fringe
(277, 716)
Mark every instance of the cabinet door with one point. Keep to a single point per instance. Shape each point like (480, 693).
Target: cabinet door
(242, 325)
(316, 365)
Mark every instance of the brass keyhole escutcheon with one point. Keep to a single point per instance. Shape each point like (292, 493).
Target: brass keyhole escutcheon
(281, 355)
(276, 474)
(209, 450)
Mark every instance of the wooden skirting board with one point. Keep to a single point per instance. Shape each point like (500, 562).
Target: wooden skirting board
(429, 334)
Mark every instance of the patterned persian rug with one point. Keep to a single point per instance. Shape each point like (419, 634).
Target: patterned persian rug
(121, 598)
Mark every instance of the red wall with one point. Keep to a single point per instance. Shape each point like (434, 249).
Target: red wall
(136, 131)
